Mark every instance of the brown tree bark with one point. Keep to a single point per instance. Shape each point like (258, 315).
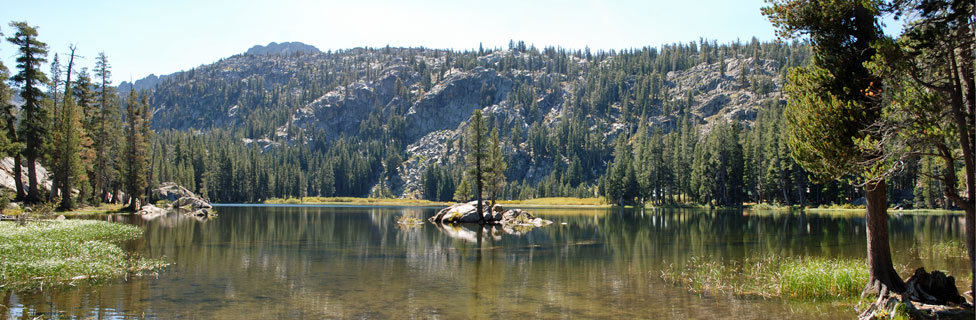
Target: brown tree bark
(33, 195)
(18, 178)
(880, 269)
(962, 98)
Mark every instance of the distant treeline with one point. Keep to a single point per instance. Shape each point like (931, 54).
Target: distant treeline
(621, 132)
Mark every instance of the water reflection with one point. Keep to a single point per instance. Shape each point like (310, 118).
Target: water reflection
(266, 262)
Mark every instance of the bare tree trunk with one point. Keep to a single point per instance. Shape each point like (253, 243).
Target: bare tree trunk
(33, 196)
(963, 98)
(18, 178)
(880, 269)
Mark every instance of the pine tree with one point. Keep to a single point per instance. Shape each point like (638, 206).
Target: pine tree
(136, 160)
(88, 115)
(831, 105)
(463, 192)
(9, 146)
(496, 161)
(478, 156)
(107, 134)
(34, 120)
(67, 143)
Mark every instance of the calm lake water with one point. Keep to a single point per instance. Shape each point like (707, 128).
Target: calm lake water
(356, 262)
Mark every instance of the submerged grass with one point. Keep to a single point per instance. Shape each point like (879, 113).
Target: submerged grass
(784, 277)
(944, 249)
(54, 253)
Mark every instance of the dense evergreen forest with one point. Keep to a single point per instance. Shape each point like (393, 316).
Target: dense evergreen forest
(697, 122)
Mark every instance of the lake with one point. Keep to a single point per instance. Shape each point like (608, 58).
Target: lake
(265, 262)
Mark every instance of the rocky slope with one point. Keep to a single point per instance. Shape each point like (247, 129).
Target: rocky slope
(280, 98)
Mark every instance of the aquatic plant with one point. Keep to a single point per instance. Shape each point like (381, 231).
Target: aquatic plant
(52, 253)
(772, 276)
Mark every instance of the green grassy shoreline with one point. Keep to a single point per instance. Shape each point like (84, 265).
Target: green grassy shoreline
(55, 253)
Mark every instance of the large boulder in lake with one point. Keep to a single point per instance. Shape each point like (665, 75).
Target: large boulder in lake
(462, 213)
(183, 199)
(193, 203)
(514, 219)
(170, 191)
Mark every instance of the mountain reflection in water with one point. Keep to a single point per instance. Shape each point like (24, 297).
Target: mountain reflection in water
(356, 262)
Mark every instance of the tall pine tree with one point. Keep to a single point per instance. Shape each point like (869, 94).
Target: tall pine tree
(34, 121)
(477, 158)
(136, 152)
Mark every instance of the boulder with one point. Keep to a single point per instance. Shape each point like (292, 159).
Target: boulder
(517, 217)
(171, 192)
(509, 219)
(461, 213)
(151, 210)
(192, 203)
(183, 200)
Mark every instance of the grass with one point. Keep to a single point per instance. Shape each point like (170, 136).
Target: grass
(556, 201)
(356, 201)
(100, 209)
(783, 277)
(409, 221)
(56, 253)
(944, 249)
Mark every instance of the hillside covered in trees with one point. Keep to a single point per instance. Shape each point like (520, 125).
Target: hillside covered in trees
(696, 122)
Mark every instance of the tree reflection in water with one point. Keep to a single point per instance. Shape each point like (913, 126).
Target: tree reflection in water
(317, 262)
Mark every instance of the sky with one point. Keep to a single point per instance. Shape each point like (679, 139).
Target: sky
(162, 37)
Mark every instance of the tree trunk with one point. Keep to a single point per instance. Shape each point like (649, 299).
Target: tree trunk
(478, 185)
(880, 270)
(33, 196)
(18, 178)
(964, 98)
(55, 186)
(971, 245)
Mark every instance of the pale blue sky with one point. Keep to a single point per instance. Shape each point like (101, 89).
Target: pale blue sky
(161, 37)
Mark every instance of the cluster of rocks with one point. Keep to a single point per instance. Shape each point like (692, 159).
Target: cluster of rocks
(926, 296)
(493, 214)
(181, 199)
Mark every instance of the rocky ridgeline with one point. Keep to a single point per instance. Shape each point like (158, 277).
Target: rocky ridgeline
(434, 117)
(468, 213)
(181, 200)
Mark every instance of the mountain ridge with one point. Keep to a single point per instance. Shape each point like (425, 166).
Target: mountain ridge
(418, 100)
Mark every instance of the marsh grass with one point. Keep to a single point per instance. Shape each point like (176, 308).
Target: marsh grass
(771, 276)
(943, 249)
(556, 201)
(43, 254)
(100, 209)
(355, 201)
(406, 220)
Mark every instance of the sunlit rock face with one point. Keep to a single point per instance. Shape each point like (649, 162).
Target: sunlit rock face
(424, 97)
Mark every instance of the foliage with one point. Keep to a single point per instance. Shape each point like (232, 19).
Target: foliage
(53, 253)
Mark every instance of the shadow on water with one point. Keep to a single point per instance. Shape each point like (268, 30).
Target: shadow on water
(318, 262)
